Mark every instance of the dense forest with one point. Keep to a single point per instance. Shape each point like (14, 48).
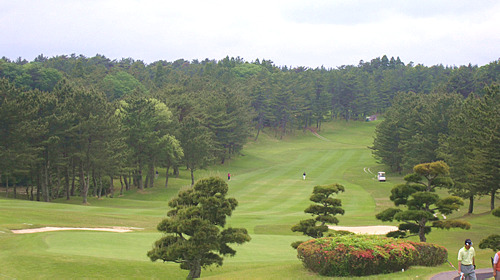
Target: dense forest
(71, 125)
(465, 133)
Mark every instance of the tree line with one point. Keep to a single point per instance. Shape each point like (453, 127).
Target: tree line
(72, 124)
(465, 133)
(283, 98)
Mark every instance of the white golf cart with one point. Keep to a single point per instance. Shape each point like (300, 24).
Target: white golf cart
(381, 176)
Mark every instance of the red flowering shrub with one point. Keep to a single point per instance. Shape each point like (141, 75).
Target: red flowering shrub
(429, 254)
(356, 255)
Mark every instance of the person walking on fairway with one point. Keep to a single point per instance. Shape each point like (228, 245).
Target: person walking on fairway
(496, 266)
(467, 261)
(304, 175)
(229, 176)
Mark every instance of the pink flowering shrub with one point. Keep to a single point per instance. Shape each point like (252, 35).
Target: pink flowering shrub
(356, 255)
(429, 254)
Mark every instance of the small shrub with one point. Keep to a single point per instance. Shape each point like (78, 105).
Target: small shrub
(356, 255)
(491, 242)
(296, 244)
(496, 212)
(339, 232)
(429, 254)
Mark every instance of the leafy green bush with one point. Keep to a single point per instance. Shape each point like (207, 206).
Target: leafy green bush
(356, 255)
(429, 254)
(496, 212)
(491, 242)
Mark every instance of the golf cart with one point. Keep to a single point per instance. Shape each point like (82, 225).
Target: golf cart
(381, 176)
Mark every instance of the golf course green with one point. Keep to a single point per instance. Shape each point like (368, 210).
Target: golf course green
(272, 195)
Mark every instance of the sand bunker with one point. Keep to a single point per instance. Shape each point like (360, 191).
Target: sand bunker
(361, 230)
(45, 229)
(367, 229)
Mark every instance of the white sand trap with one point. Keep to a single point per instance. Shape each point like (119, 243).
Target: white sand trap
(45, 229)
(367, 229)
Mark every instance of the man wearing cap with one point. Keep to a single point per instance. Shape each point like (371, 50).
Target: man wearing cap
(467, 261)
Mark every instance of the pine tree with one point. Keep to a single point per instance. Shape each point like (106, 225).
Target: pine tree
(323, 211)
(422, 203)
(194, 229)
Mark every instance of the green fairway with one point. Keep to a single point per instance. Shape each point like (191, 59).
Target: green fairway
(267, 182)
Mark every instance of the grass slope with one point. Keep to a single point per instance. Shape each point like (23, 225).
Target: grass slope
(266, 181)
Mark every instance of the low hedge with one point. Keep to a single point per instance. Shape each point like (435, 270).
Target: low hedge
(356, 255)
(429, 254)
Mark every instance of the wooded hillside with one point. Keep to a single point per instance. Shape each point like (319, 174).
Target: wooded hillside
(70, 120)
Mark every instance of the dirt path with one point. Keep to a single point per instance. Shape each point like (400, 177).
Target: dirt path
(317, 135)
(45, 229)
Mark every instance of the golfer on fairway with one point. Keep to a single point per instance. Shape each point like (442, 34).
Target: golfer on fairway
(467, 261)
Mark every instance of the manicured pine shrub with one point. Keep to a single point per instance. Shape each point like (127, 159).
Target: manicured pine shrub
(356, 255)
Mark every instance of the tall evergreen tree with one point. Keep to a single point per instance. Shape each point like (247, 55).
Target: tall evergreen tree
(197, 144)
(145, 121)
(228, 115)
(17, 127)
(471, 147)
(260, 91)
(490, 155)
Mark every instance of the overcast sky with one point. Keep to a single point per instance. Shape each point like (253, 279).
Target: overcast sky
(289, 32)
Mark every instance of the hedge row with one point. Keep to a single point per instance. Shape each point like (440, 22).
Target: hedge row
(359, 255)
(429, 254)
